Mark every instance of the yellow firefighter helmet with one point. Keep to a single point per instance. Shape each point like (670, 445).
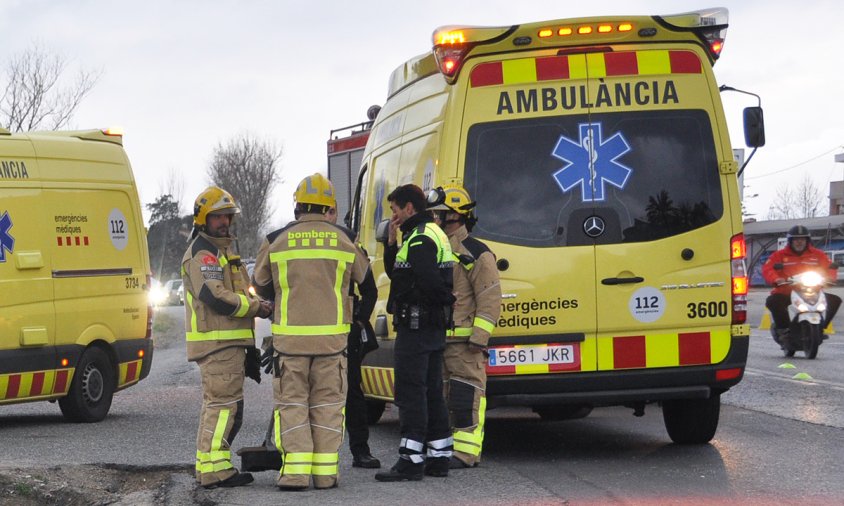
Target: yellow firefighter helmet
(450, 198)
(316, 189)
(213, 200)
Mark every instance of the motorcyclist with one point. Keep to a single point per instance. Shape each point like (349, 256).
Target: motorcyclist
(797, 257)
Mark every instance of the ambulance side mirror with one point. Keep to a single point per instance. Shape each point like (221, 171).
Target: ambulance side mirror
(382, 232)
(754, 127)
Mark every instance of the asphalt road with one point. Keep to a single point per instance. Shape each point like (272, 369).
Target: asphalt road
(780, 440)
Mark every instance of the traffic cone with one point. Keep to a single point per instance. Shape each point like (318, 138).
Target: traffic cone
(786, 365)
(829, 329)
(802, 376)
(765, 324)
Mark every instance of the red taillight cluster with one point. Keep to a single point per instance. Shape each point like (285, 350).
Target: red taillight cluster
(738, 253)
(450, 59)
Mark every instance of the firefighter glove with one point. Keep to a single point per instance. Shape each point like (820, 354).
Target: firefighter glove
(253, 360)
(267, 359)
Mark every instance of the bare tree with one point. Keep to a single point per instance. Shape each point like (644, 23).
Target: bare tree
(174, 185)
(248, 168)
(35, 94)
(803, 201)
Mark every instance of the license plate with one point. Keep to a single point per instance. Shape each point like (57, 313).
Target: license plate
(532, 355)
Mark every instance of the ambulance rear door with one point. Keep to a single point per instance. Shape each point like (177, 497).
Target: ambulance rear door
(647, 160)
(511, 127)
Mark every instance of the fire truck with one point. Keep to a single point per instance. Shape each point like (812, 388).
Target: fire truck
(345, 152)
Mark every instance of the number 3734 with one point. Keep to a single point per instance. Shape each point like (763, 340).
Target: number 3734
(710, 309)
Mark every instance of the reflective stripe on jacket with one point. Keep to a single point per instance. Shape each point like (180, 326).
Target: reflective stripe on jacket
(219, 311)
(476, 284)
(307, 267)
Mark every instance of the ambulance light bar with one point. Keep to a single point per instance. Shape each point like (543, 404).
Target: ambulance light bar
(565, 31)
(710, 25)
(114, 131)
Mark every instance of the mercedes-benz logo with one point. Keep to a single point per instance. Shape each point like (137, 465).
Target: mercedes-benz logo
(594, 226)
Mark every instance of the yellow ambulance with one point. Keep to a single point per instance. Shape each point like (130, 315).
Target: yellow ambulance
(598, 153)
(75, 321)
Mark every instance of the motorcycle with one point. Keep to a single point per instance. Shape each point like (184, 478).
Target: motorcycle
(807, 314)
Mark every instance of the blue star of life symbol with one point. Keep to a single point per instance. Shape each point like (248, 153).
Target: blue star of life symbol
(7, 242)
(591, 162)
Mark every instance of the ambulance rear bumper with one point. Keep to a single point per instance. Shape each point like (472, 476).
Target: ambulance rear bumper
(611, 388)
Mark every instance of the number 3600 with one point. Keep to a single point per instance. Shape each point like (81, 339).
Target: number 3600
(706, 309)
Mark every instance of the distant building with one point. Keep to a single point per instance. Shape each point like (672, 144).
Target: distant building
(763, 237)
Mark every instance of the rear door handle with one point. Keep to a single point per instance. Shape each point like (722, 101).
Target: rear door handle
(622, 281)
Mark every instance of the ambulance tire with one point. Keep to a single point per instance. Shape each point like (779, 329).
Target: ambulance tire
(374, 410)
(91, 390)
(557, 413)
(692, 421)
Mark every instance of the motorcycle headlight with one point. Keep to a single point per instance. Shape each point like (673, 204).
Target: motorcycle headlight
(811, 279)
(802, 307)
(821, 307)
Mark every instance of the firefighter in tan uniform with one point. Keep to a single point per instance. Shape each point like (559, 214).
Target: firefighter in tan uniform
(219, 324)
(476, 285)
(306, 267)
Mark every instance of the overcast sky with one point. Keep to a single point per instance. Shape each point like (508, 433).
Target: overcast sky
(181, 76)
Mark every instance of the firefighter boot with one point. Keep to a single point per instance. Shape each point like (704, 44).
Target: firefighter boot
(404, 470)
(366, 461)
(235, 480)
(437, 466)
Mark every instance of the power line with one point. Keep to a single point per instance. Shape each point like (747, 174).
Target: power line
(796, 165)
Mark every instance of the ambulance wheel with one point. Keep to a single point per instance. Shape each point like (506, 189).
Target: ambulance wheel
(374, 410)
(91, 390)
(556, 413)
(692, 421)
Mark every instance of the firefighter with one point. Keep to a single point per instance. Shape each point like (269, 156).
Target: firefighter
(478, 306)
(306, 268)
(219, 325)
(420, 301)
(361, 340)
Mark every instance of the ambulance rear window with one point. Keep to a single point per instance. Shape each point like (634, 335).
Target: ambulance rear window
(645, 175)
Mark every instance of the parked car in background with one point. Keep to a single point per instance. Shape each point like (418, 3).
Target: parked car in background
(837, 256)
(174, 292)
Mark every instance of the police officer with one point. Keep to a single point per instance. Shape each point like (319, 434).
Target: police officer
(420, 301)
(361, 340)
(219, 323)
(478, 291)
(307, 267)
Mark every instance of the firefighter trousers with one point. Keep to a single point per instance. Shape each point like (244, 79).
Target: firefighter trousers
(464, 379)
(423, 415)
(310, 399)
(222, 374)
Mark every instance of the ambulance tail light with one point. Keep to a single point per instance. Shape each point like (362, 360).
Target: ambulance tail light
(450, 59)
(710, 26)
(738, 253)
(728, 374)
(452, 44)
